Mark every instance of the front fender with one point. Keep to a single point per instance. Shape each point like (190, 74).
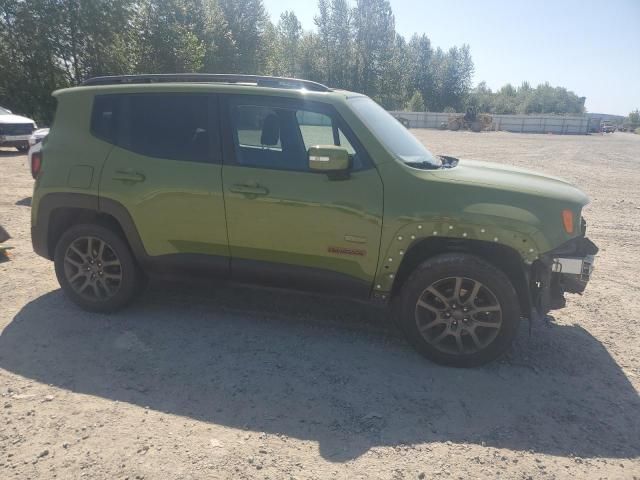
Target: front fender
(519, 236)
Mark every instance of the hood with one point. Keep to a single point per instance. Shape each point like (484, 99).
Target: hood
(11, 118)
(518, 180)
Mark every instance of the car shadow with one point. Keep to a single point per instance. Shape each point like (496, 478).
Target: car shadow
(25, 202)
(325, 370)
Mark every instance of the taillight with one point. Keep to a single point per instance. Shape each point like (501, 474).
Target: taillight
(36, 164)
(567, 220)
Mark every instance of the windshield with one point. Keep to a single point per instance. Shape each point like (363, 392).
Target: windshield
(4, 111)
(393, 135)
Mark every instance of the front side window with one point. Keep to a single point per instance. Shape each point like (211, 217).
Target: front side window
(279, 136)
(319, 129)
(258, 127)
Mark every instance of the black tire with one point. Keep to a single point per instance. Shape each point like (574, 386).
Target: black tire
(23, 148)
(116, 295)
(495, 291)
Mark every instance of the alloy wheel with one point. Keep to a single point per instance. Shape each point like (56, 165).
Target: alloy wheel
(92, 268)
(458, 315)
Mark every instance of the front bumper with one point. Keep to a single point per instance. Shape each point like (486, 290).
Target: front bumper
(566, 269)
(14, 140)
(573, 273)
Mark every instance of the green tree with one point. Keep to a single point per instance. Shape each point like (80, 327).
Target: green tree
(311, 67)
(453, 76)
(421, 67)
(289, 35)
(247, 21)
(171, 37)
(416, 103)
(375, 36)
(334, 35)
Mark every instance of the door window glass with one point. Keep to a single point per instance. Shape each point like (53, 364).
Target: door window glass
(172, 126)
(318, 129)
(279, 137)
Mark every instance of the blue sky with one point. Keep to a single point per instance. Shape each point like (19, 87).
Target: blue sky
(590, 47)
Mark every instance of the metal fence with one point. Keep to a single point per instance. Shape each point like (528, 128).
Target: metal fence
(574, 125)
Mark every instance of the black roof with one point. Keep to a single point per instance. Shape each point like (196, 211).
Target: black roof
(260, 81)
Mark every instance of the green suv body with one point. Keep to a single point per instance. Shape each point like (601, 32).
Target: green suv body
(289, 183)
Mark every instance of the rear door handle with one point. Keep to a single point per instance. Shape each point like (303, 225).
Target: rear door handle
(129, 176)
(249, 189)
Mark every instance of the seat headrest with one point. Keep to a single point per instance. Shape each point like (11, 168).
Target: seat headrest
(270, 130)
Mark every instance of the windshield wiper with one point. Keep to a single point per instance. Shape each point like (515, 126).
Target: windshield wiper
(424, 165)
(448, 162)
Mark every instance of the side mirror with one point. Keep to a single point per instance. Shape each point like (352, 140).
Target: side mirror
(329, 159)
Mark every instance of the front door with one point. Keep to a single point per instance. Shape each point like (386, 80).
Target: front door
(288, 225)
(166, 170)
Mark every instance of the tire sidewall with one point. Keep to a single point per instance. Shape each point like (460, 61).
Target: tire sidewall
(459, 265)
(129, 286)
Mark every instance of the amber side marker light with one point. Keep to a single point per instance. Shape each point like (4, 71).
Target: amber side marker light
(567, 220)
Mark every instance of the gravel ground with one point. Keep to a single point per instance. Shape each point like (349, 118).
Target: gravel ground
(235, 383)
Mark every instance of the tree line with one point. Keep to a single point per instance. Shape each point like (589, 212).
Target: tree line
(50, 44)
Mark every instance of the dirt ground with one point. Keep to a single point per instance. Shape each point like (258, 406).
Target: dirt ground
(237, 383)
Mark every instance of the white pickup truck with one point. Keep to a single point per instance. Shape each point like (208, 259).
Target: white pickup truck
(15, 130)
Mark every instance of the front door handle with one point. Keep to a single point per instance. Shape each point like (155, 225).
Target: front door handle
(128, 176)
(249, 189)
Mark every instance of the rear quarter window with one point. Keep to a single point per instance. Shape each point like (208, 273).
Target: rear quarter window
(174, 126)
(103, 117)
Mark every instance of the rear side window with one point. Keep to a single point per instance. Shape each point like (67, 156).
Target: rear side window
(103, 117)
(171, 126)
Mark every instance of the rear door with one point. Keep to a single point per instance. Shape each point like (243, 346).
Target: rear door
(289, 225)
(165, 169)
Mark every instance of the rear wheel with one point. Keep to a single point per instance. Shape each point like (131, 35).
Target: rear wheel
(459, 310)
(23, 147)
(96, 269)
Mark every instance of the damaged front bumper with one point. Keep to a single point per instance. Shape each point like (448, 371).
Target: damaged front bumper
(566, 269)
(573, 273)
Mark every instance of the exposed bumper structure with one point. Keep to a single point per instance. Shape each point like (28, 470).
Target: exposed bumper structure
(573, 273)
(566, 269)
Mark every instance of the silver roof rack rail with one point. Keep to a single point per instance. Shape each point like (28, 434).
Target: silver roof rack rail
(260, 81)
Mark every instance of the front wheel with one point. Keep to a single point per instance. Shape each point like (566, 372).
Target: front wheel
(458, 310)
(96, 269)
(23, 147)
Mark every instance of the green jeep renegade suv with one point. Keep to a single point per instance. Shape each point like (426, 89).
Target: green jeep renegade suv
(289, 183)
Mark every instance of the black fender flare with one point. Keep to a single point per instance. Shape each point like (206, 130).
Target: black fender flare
(41, 231)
